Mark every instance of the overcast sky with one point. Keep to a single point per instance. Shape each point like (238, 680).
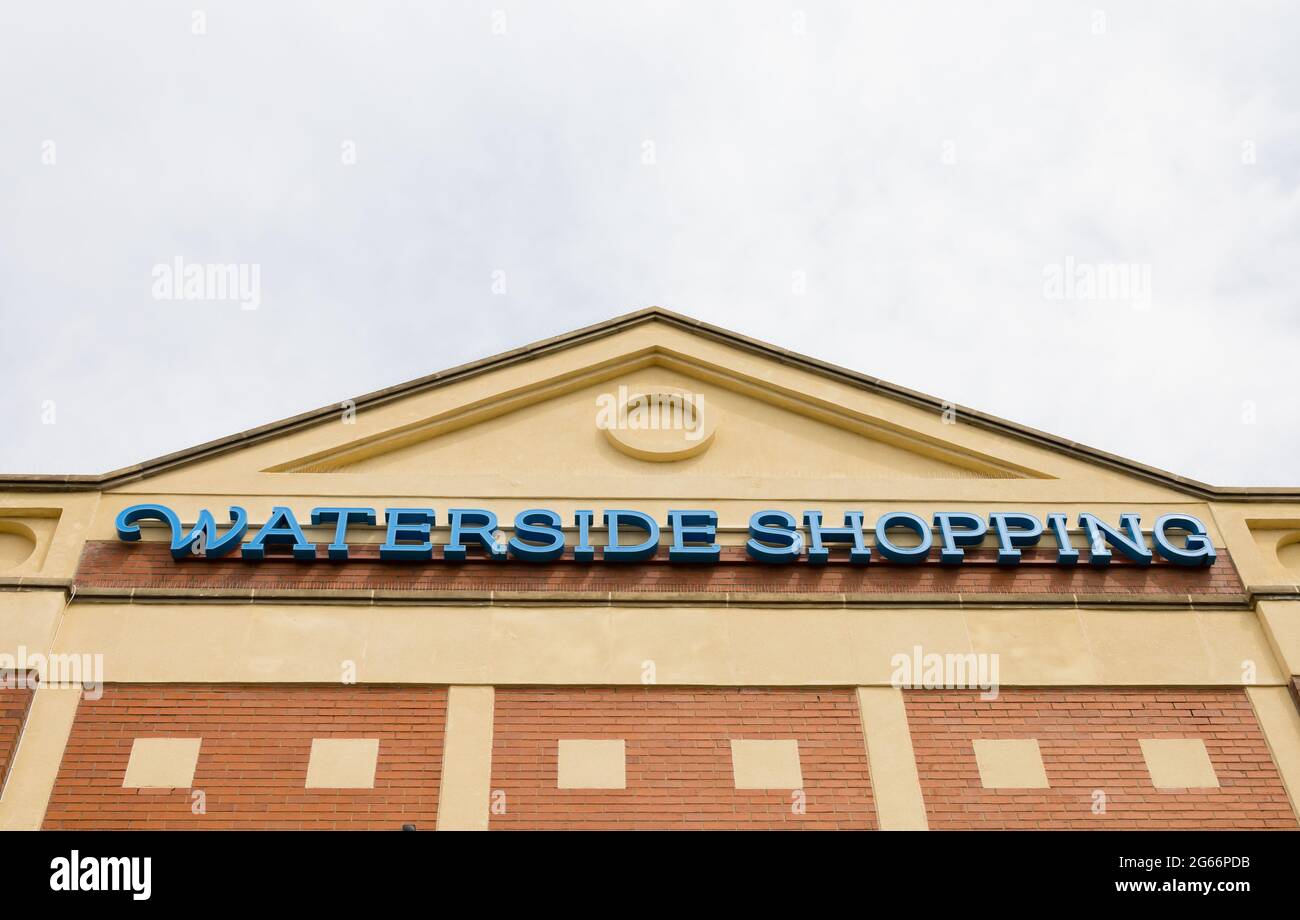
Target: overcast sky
(890, 187)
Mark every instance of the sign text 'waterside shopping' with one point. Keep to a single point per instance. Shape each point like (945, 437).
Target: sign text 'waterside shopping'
(775, 537)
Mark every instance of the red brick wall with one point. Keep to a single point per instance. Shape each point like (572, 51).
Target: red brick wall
(111, 564)
(14, 703)
(679, 772)
(253, 761)
(1089, 741)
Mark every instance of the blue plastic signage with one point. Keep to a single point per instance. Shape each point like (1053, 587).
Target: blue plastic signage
(775, 537)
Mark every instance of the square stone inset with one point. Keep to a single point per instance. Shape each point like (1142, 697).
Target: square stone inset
(1179, 763)
(587, 763)
(342, 763)
(162, 763)
(1010, 763)
(766, 764)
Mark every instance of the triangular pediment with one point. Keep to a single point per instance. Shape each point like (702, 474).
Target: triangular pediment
(526, 424)
(716, 431)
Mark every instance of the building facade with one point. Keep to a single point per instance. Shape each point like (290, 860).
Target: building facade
(650, 574)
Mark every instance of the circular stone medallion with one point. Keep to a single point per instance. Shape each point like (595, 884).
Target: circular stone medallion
(660, 424)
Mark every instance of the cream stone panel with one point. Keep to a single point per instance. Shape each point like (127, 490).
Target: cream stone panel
(801, 646)
(762, 764)
(895, 782)
(23, 542)
(586, 763)
(1010, 763)
(794, 646)
(1288, 554)
(670, 645)
(28, 620)
(60, 523)
(535, 645)
(1273, 552)
(1252, 533)
(16, 546)
(1281, 624)
(403, 642)
(342, 763)
(1237, 649)
(465, 797)
(882, 640)
(1280, 721)
(1146, 647)
(269, 638)
(162, 763)
(36, 760)
(1049, 647)
(1178, 763)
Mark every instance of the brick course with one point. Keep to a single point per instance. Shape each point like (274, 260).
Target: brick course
(112, 564)
(14, 703)
(256, 742)
(679, 773)
(1089, 741)
(253, 761)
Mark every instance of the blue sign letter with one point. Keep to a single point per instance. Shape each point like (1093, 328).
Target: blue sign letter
(1199, 549)
(643, 550)
(584, 551)
(1132, 544)
(972, 533)
(694, 526)
(537, 524)
(201, 542)
(1066, 554)
(851, 532)
(338, 550)
(281, 527)
(909, 555)
(1028, 531)
(774, 527)
(408, 524)
(477, 525)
